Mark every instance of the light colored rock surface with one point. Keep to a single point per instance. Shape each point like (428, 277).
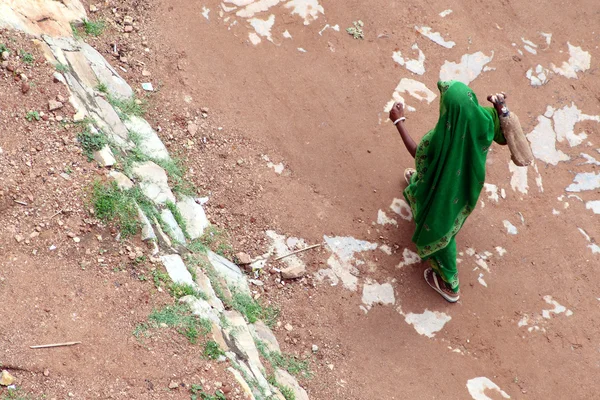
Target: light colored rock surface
(217, 336)
(41, 16)
(194, 217)
(153, 182)
(205, 286)
(147, 231)
(105, 157)
(177, 270)
(174, 229)
(80, 67)
(263, 333)
(375, 293)
(123, 182)
(229, 271)
(6, 378)
(285, 379)
(294, 272)
(105, 73)
(260, 378)
(111, 120)
(150, 144)
(200, 308)
(240, 379)
(241, 342)
(163, 239)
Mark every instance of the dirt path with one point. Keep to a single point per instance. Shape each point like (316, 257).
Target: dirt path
(320, 113)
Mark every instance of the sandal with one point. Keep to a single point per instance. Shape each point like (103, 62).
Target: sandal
(435, 285)
(408, 173)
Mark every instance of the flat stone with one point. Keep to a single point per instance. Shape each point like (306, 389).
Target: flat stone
(123, 182)
(54, 105)
(240, 340)
(150, 144)
(194, 217)
(242, 382)
(263, 333)
(105, 73)
(173, 228)
(110, 118)
(177, 269)
(105, 157)
(200, 308)
(163, 239)
(153, 182)
(230, 272)
(285, 379)
(260, 378)
(35, 17)
(205, 286)
(243, 258)
(294, 271)
(147, 231)
(80, 66)
(6, 379)
(217, 336)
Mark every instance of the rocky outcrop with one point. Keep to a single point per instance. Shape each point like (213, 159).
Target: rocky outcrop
(37, 17)
(172, 220)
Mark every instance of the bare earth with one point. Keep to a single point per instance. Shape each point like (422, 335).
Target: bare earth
(320, 113)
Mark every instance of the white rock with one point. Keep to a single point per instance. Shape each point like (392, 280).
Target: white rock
(174, 229)
(194, 217)
(177, 270)
(285, 379)
(149, 143)
(153, 182)
(205, 286)
(123, 182)
(105, 157)
(230, 272)
(262, 332)
(201, 308)
(241, 339)
(147, 231)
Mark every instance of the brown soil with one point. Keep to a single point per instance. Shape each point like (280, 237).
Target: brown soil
(317, 112)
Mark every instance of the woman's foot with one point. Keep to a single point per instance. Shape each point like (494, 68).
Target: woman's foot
(408, 173)
(440, 286)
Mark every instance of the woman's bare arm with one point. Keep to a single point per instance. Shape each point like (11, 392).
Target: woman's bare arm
(397, 114)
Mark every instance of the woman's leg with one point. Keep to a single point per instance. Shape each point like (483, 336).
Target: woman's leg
(444, 264)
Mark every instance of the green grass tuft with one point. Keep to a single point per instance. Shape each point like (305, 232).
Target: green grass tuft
(180, 317)
(286, 391)
(91, 142)
(252, 310)
(287, 362)
(3, 48)
(128, 106)
(61, 67)
(178, 217)
(102, 87)
(93, 28)
(112, 204)
(198, 393)
(212, 351)
(32, 115)
(27, 57)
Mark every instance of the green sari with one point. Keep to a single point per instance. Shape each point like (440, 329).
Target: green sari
(450, 163)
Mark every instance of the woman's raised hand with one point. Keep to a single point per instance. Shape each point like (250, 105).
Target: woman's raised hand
(498, 98)
(397, 111)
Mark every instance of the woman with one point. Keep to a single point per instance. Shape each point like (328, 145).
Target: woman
(450, 173)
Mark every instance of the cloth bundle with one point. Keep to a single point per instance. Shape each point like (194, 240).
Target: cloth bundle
(515, 138)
